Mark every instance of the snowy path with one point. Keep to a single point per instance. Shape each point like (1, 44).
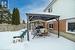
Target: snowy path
(39, 43)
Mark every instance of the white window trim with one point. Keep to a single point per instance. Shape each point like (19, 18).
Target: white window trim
(67, 21)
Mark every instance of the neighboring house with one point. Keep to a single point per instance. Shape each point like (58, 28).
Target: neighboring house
(5, 16)
(66, 11)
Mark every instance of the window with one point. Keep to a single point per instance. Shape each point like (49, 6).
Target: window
(50, 25)
(71, 27)
(50, 9)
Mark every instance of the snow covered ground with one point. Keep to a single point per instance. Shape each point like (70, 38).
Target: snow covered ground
(38, 43)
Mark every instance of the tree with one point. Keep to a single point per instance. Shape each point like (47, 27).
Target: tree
(16, 17)
(13, 17)
(1, 18)
(9, 18)
(0, 6)
(0, 14)
(5, 18)
(23, 22)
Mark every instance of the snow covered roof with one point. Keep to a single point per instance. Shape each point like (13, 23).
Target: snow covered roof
(45, 13)
(42, 16)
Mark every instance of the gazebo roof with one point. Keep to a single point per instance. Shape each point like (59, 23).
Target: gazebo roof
(41, 16)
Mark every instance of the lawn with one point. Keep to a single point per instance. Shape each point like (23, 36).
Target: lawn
(51, 42)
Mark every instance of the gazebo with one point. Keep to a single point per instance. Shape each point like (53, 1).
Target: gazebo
(41, 16)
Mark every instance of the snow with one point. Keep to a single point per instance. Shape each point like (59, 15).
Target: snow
(38, 43)
(42, 13)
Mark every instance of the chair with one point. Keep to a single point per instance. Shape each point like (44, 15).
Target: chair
(19, 38)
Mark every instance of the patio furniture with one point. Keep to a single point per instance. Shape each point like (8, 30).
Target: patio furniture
(40, 31)
(35, 33)
(19, 38)
(43, 32)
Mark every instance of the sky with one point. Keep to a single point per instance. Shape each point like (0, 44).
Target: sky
(28, 6)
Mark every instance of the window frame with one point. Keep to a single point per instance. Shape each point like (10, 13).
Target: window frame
(50, 9)
(50, 27)
(69, 21)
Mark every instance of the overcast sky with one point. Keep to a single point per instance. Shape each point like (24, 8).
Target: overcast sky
(28, 6)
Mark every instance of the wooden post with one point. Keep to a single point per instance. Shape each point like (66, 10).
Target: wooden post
(28, 28)
(58, 26)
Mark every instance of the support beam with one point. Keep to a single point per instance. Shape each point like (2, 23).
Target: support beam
(30, 18)
(58, 26)
(28, 28)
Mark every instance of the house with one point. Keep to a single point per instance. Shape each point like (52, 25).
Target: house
(5, 16)
(66, 11)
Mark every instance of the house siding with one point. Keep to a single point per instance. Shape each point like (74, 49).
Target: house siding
(62, 25)
(65, 8)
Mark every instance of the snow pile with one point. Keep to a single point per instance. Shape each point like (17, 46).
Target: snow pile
(38, 43)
